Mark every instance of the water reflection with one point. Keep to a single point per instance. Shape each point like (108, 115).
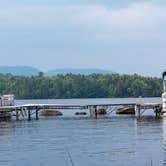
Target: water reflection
(164, 139)
(111, 140)
(164, 130)
(6, 129)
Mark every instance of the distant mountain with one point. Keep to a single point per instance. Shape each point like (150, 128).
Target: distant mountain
(77, 71)
(19, 70)
(29, 71)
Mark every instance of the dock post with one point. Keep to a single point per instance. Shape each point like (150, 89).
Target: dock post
(91, 112)
(29, 115)
(37, 114)
(155, 109)
(17, 115)
(157, 115)
(95, 112)
(158, 112)
(139, 112)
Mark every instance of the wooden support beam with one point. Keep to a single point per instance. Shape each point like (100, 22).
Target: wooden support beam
(37, 114)
(29, 115)
(96, 112)
(17, 115)
(156, 113)
(25, 112)
(22, 113)
(139, 112)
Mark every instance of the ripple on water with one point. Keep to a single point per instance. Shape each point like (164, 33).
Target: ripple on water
(115, 140)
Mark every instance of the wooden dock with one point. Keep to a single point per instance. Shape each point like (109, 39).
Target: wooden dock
(27, 110)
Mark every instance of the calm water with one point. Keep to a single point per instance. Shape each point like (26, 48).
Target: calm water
(81, 141)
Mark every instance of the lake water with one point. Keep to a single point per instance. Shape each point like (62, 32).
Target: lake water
(80, 141)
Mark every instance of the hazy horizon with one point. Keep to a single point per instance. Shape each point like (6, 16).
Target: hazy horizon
(126, 37)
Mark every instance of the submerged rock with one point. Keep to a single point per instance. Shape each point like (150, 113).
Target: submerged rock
(101, 111)
(51, 112)
(80, 113)
(126, 110)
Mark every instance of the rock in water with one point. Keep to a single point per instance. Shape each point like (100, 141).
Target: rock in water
(126, 110)
(51, 112)
(80, 113)
(101, 111)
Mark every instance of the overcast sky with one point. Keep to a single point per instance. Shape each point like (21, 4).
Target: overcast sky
(126, 36)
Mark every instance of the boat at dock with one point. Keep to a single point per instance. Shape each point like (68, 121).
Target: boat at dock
(6, 100)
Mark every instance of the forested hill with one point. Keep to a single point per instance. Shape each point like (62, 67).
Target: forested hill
(77, 71)
(80, 86)
(19, 70)
(32, 71)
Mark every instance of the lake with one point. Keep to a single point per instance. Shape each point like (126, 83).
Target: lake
(114, 140)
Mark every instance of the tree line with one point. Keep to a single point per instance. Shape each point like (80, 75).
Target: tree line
(80, 86)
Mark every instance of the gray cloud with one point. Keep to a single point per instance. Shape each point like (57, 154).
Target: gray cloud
(128, 38)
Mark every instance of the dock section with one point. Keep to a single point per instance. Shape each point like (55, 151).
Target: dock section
(27, 110)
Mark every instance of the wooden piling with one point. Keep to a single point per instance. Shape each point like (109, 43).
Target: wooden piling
(95, 112)
(37, 114)
(139, 112)
(156, 113)
(17, 115)
(29, 115)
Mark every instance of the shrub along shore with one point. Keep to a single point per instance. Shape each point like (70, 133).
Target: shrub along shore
(80, 86)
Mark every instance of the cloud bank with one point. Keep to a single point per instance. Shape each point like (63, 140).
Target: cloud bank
(134, 16)
(87, 31)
